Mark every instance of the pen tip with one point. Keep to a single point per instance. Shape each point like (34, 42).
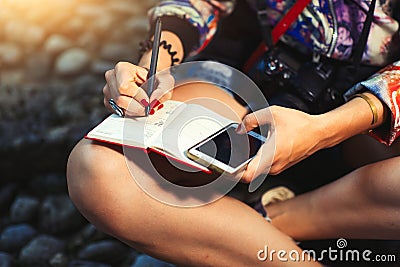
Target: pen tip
(147, 110)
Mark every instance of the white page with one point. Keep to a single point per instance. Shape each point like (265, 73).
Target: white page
(135, 131)
(193, 125)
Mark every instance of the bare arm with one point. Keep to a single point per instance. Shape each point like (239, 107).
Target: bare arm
(298, 135)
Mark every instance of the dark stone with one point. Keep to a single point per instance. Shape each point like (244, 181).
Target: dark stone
(6, 260)
(88, 234)
(40, 251)
(15, 237)
(24, 209)
(59, 260)
(58, 215)
(107, 251)
(81, 263)
(7, 194)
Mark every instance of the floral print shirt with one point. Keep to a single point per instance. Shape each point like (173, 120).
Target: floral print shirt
(328, 27)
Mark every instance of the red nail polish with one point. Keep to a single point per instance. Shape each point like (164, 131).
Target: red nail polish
(144, 102)
(154, 103)
(151, 112)
(160, 106)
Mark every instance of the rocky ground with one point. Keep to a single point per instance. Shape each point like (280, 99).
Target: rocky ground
(53, 55)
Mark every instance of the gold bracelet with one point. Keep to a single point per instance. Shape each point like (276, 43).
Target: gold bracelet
(371, 106)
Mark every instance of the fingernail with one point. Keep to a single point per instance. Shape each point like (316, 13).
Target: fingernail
(144, 102)
(160, 106)
(154, 103)
(151, 111)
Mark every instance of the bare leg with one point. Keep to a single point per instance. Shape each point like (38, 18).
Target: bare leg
(223, 233)
(362, 204)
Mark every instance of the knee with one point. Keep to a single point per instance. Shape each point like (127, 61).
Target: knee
(102, 189)
(382, 185)
(80, 169)
(91, 186)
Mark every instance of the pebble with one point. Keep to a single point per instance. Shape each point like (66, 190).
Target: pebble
(56, 44)
(58, 215)
(72, 61)
(10, 54)
(107, 251)
(24, 209)
(14, 237)
(40, 251)
(6, 260)
(59, 260)
(87, 235)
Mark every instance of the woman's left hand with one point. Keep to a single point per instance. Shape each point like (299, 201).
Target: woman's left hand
(295, 135)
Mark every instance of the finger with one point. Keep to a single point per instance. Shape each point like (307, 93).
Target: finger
(164, 87)
(113, 91)
(260, 164)
(127, 78)
(107, 96)
(111, 83)
(253, 120)
(135, 108)
(106, 92)
(160, 95)
(138, 74)
(128, 81)
(130, 106)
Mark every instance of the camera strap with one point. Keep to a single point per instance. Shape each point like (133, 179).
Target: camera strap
(362, 42)
(271, 36)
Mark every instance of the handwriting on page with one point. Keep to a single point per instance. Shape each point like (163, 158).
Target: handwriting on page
(154, 123)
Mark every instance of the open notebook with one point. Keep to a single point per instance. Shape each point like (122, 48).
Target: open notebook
(169, 131)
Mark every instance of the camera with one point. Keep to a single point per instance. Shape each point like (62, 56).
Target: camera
(302, 77)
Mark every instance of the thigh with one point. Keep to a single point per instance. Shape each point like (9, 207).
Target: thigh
(212, 97)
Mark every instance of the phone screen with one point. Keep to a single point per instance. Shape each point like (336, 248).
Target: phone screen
(231, 148)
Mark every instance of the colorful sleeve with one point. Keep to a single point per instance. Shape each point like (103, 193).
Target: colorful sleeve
(194, 21)
(385, 84)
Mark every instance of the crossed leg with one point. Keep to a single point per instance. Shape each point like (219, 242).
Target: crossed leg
(225, 232)
(363, 204)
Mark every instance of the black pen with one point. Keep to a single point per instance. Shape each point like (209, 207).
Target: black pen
(153, 62)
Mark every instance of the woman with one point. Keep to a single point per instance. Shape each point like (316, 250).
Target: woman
(227, 232)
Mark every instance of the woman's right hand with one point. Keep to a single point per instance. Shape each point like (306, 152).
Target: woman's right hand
(123, 86)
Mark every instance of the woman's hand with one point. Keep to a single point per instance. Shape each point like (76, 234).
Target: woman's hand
(295, 135)
(123, 86)
(126, 86)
